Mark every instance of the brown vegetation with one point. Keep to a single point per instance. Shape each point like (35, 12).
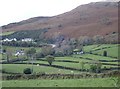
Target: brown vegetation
(86, 20)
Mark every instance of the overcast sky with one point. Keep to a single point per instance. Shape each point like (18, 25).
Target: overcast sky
(17, 10)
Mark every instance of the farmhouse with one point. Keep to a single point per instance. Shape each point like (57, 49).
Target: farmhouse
(53, 45)
(77, 51)
(9, 40)
(19, 53)
(27, 40)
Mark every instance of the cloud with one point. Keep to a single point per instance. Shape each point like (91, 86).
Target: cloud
(17, 10)
(112, 0)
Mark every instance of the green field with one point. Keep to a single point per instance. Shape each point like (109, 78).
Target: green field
(14, 49)
(73, 61)
(112, 49)
(59, 61)
(100, 46)
(89, 82)
(95, 57)
(18, 68)
(48, 69)
(6, 33)
(0, 56)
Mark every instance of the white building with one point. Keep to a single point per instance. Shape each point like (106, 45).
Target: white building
(77, 51)
(9, 40)
(53, 45)
(19, 53)
(27, 40)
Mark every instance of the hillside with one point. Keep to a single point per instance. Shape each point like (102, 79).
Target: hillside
(91, 19)
(31, 20)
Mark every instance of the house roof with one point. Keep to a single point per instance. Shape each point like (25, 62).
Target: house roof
(76, 50)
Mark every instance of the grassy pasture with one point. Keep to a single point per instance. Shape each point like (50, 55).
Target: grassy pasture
(95, 57)
(100, 46)
(89, 82)
(76, 58)
(18, 68)
(13, 49)
(6, 33)
(110, 51)
(84, 82)
(77, 65)
(65, 64)
(0, 56)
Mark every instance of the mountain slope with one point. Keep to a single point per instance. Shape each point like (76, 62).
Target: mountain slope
(91, 19)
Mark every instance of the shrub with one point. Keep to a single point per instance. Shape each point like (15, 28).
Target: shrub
(105, 68)
(82, 65)
(50, 59)
(96, 68)
(3, 59)
(93, 68)
(39, 55)
(90, 52)
(27, 71)
(105, 53)
(2, 71)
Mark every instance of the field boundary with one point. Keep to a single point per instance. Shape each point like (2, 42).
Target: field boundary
(59, 76)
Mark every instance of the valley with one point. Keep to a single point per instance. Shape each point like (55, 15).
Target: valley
(79, 48)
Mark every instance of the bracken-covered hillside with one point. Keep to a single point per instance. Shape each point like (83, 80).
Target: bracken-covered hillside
(91, 19)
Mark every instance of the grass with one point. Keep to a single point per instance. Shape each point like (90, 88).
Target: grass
(110, 51)
(6, 33)
(65, 64)
(94, 57)
(14, 49)
(100, 46)
(47, 69)
(18, 68)
(76, 58)
(113, 51)
(0, 56)
(89, 82)
(71, 59)
(89, 47)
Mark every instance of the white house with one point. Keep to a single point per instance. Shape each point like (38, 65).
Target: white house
(9, 40)
(77, 51)
(53, 45)
(27, 40)
(19, 53)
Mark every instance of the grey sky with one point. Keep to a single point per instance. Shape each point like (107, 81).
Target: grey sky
(17, 10)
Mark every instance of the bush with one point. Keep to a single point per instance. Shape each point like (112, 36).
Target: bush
(39, 55)
(93, 68)
(105, 53)
(2, 71)
(50, 59)
(90, 52)
(27, 71)
(2, 59)
(105, 68)
(96, 68)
